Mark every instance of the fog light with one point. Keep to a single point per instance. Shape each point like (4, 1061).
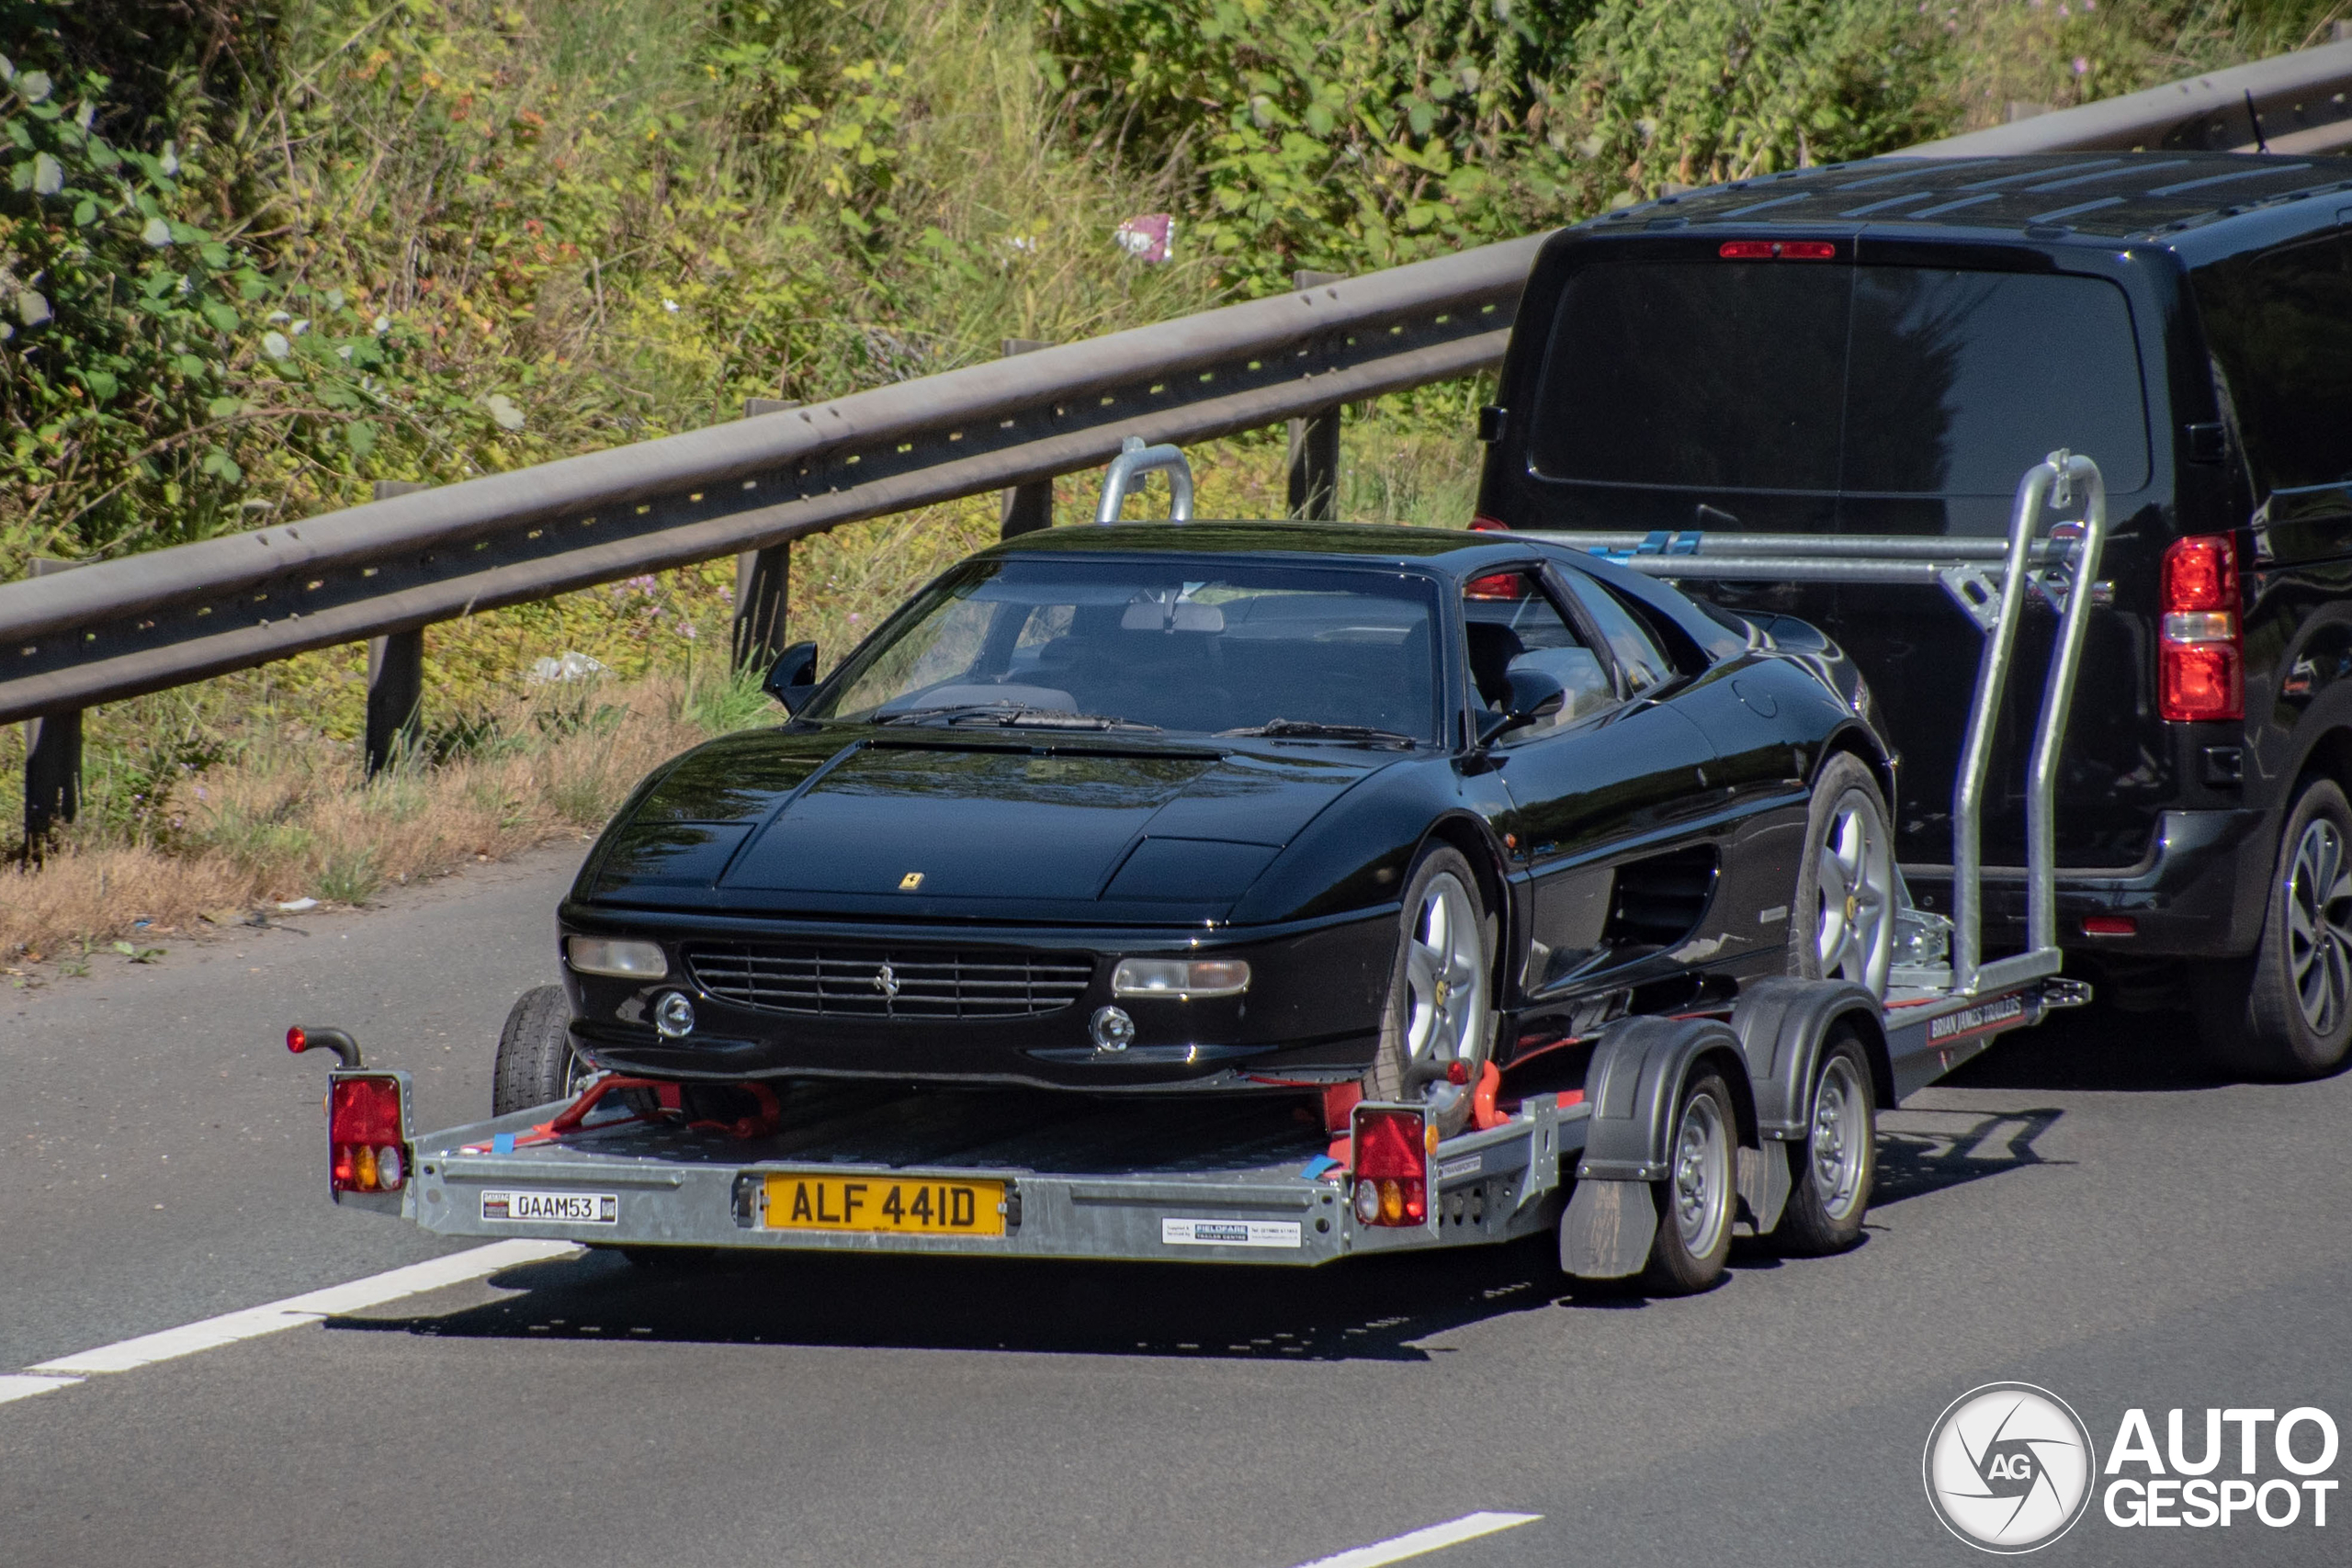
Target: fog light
(1112, 1028)
(673, 1015)
(1180, 979)
(624, 960)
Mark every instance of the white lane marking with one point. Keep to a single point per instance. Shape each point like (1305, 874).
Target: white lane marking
(296, 1310)
(26, 1387)
(1469, 1527)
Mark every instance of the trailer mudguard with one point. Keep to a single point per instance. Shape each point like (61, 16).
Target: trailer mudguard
(1782, 1025)
(1636, 1079)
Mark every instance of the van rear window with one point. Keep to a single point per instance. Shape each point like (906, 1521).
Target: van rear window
(1867, 379)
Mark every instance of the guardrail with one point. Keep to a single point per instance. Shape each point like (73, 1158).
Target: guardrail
(119, 628)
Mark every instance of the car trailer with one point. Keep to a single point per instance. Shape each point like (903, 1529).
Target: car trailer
(1621, 1166)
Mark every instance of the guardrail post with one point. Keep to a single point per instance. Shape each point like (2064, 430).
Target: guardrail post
(52, 760)
(395, 673)
(1314, 442)
(763, 580)
(1029, 507)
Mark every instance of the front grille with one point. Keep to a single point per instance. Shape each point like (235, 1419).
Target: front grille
(909, 982)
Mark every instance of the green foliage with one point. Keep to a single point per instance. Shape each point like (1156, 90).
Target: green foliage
(1693, 92)
(1324, 133)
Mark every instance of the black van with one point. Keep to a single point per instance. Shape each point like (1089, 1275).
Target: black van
(1883, 349)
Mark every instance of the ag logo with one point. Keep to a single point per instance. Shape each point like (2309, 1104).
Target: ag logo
(2009, 1467)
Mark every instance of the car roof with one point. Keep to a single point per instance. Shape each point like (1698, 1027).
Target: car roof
(2038, 197)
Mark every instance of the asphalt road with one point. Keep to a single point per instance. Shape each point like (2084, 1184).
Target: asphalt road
(2083, 1211)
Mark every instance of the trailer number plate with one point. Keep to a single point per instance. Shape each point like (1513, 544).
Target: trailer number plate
(800, 1201)
(559, 1208)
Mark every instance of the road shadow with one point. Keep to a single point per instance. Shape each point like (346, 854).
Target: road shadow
(1359, 1309)
(1936, 1150)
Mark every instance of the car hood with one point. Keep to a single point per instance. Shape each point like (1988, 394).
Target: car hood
(910, 824)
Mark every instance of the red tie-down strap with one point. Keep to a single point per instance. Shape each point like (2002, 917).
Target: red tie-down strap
(668, 1099)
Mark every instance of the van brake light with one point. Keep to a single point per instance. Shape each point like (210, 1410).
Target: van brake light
(1777, 250)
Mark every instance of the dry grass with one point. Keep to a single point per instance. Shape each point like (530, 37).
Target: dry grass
(293, 819)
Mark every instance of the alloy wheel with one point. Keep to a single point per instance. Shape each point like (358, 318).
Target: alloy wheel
(1856, 873)
(1446, 977)
(2319, 927)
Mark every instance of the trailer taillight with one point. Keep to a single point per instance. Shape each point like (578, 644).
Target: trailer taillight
(2200, 655)
(368, 1153)
(1391, 1159)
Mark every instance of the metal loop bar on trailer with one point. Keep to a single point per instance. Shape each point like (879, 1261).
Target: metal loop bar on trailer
(2069, 474)
(1134, 461)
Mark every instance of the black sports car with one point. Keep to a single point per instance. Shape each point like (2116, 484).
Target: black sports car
(1225, 807)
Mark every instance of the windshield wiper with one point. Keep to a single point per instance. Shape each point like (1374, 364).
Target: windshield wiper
(1308, 729)
(1006, 715)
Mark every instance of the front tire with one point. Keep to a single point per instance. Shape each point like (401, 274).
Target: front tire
(536, 1065)
(1695, 1202)
(2287, 1012)
(1439, 993)
(1841, 919)
(1835, 1164)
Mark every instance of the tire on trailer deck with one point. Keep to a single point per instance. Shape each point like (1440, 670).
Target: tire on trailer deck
(1841, 918)
(536, 1063)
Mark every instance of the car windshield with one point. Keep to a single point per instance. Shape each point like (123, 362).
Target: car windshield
(1178, 644)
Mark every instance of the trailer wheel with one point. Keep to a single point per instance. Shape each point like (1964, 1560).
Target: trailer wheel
(1834, 1168)
(536, 1063)
(1841, 919)
(2287, 1012)
(1439, 1007)
(1696, 1200)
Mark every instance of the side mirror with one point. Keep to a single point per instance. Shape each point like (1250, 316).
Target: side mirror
(1533, 694)
(794, 679)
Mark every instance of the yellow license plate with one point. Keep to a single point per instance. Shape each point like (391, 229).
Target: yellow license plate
(798, 1201)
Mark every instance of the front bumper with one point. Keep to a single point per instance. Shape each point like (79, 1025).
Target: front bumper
(2197, 893)
(1312, 1012)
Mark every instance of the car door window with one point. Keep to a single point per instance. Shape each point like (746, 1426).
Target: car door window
(1639, 658)
(1511, 624)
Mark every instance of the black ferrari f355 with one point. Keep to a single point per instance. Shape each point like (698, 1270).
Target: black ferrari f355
(1159, 807)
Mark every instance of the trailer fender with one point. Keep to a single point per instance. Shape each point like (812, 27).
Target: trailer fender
(1636, 1082)
(1782, 1025)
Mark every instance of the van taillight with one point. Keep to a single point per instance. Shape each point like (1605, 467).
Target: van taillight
(1391, 1148)
(367, 1153)
(1481, 524)
(2200, 656)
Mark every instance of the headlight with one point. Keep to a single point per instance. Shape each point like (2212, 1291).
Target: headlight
(628, 960)
(1181, 978)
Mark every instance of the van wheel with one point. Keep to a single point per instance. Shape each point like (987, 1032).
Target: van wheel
(2287, 1012)
(536, 1065)
(1841, 920)
(1695, 1201)
(1836, 1162)
(1440, 1009)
